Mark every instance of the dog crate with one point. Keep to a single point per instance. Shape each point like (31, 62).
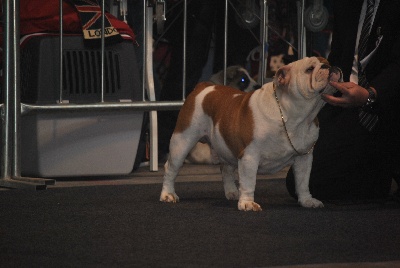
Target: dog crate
(72, 143)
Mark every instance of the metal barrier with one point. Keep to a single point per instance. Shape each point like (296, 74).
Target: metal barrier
(12, 108)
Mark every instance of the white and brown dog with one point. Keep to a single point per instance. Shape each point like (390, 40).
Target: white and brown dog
(236, 77)
(261, 131)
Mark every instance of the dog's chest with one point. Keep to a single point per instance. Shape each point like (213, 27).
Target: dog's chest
(269, 146)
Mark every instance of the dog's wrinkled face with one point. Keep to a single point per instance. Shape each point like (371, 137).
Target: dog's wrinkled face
(308, 77)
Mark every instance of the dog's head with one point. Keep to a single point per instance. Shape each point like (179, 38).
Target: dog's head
(236, 77)
(308, 78)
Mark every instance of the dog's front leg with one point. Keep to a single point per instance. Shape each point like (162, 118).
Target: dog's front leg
(247, 169)
(302, 170)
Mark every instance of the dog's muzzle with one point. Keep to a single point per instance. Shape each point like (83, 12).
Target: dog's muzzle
(335, 74)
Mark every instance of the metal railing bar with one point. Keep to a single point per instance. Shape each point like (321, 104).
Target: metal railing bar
(153, 128)
(16, 100)
(103, 33)
(61, 52)
(264, 34)
(144, 51)
(107, 106)
(6, 157)
(225, 39)
(301, 29)
(184, 49)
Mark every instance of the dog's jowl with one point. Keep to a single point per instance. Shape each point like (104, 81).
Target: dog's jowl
(261, 131)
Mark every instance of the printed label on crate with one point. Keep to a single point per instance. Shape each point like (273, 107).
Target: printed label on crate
(90, 15)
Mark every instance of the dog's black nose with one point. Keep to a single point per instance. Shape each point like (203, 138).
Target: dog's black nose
(336, 71)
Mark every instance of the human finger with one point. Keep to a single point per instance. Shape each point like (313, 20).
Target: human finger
(335, 101)
(343, 87)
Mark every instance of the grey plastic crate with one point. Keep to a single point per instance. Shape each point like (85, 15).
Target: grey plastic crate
(90, 143)
(40, 75)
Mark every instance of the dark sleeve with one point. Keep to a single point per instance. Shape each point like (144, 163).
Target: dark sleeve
(345, 25)
(383, 71)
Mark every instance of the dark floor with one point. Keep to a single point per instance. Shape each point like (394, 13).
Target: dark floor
(119, 222)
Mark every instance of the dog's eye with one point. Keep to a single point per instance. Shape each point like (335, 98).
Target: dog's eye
(310, 69)
(243, 83)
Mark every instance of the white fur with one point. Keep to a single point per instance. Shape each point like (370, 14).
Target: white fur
(298, 91)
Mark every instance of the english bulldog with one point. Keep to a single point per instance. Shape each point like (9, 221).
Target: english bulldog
(236, 77)
(262, 131)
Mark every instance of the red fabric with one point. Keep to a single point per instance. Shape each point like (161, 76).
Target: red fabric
(42, 16)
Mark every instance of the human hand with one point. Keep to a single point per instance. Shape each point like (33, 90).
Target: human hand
(353, 95)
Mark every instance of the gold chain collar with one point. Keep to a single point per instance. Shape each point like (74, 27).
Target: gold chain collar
(287, 133)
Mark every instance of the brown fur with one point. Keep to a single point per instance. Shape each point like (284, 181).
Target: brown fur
(234, 115)
(187, 110)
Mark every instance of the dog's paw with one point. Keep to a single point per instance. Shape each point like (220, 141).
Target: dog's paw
(169, 197)
(249, 205)
(311, 203)
(233, 195)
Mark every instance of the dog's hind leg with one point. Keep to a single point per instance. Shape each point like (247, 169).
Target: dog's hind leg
(229, 176)
(180, 145)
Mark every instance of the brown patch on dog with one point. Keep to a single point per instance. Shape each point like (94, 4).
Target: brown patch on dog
(187, 110)
(229, 108)
(323, 60)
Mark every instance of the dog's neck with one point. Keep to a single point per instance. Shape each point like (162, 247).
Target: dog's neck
(291, 112)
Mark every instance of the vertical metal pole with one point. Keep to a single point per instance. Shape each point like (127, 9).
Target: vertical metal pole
(264, 36)
(61, 52)
(102, 48)
(12, 105)
(225, 40)
(144, 50)
(16, 100)
(6, 157)
(150, 88)
(184, 49)
(301, 29)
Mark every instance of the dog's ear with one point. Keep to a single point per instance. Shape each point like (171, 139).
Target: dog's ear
(282, 76)
(231, 73)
